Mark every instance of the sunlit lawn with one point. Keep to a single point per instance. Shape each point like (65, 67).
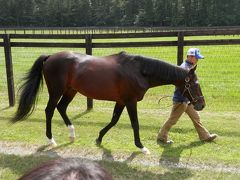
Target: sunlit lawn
(219, 77)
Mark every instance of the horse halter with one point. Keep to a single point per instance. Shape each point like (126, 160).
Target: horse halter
(187, 88)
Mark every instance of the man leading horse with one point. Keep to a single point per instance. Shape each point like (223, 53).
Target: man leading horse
(182, 104)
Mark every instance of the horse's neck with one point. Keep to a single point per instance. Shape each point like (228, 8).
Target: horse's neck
(173, 76)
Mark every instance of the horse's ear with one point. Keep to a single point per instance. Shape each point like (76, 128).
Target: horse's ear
(193, 70)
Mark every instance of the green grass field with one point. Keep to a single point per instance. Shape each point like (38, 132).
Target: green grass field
(219, 75)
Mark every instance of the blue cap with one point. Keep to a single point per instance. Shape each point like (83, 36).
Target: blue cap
(195, 52)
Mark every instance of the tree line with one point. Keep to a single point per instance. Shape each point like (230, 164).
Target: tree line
(82, 13)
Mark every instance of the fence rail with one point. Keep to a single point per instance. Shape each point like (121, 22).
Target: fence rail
(89, 45)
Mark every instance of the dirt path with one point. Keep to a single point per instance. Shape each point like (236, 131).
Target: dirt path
(21, 149)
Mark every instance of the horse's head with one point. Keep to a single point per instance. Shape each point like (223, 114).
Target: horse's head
(192, 90)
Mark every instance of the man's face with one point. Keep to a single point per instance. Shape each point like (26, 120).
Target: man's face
(192, 59)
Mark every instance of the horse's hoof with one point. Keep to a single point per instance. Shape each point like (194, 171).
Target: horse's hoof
(53, 145)
(71, 131)
(52, 142)
(145, 150)
(98, 142)
(72, 139)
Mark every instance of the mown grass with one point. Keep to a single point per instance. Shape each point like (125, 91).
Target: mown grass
(219, 77)
(14, 166)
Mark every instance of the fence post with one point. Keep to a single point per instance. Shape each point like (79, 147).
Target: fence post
(180, 48)
(88, 42)
(9, 69)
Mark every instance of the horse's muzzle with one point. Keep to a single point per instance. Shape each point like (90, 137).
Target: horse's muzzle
(199, 107)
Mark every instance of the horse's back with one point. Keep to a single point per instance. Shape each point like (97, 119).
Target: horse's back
(97, 77)
(103, 78)
(94, 77)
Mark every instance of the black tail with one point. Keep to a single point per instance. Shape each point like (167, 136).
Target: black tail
(29, 90)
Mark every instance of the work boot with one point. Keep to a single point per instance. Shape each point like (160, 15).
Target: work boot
(162, 141)
(211, 138)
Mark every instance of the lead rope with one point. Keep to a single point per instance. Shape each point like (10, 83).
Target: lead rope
(164, 97)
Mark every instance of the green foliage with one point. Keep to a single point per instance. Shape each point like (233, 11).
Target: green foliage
(80, 13)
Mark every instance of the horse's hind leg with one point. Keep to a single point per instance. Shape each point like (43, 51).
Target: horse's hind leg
(49, 111)
(62, 107)
(118, 109)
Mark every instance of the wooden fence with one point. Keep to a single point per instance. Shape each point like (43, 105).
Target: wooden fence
(89, 45)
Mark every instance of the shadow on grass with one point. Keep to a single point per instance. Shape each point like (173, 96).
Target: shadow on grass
(83, 123)
(119, 125)
(107, 153)
(132, 156)
(2, 118)
(124, 170)
(122, 125)
(171, 155)
(45, 148)
(18, 165)
(81, 114)
(21, 164)
(5, 108)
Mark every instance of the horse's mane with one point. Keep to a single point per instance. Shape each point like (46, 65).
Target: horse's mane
(156, 68)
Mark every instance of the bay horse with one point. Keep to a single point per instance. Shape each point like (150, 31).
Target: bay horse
(122, 77)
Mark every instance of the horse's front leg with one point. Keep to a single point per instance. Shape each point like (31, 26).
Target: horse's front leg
(118, 109)
(132, 112)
